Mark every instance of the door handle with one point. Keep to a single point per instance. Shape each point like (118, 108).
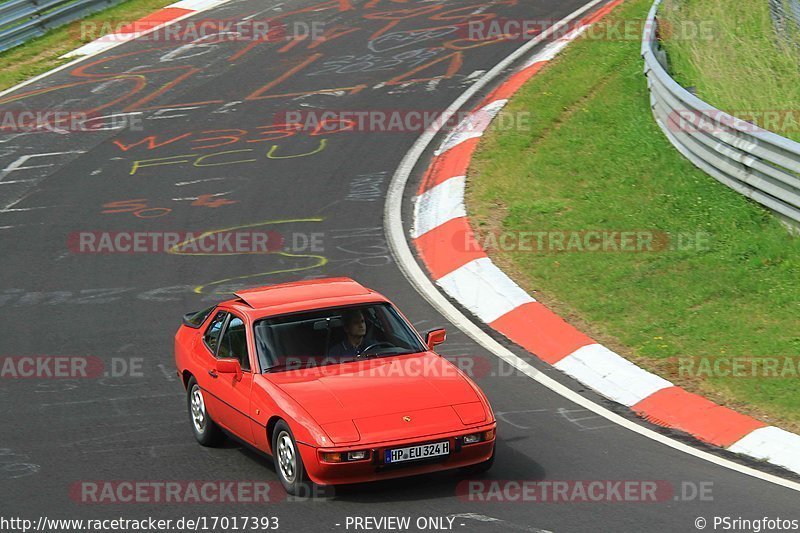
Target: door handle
(213, 374)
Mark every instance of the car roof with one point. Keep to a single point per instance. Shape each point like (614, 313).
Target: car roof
(302, 295)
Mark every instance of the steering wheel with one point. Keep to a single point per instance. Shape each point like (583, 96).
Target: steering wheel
(375, 345)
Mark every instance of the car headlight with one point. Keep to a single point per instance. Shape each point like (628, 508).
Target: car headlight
(483, 436)
(357, 456)
(472, 439)
(344, 457)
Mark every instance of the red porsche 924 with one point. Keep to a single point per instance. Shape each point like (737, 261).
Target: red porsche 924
(330, 379)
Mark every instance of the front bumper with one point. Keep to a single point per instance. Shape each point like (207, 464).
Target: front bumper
(374, 469)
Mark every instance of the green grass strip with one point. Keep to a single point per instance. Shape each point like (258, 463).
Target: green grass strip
(594, 159)
(43, 53)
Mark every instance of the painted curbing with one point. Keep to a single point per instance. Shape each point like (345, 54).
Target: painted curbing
(148, 24)
(445, 242)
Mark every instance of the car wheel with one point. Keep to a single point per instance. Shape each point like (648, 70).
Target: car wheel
(288, 463)
(205, 430)
(480, 468)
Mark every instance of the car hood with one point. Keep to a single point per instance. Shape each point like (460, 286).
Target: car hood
(366, 392)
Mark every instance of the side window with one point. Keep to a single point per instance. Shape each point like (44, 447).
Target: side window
(195, 320)
(234, 343)
(376, 322)
(211, 336)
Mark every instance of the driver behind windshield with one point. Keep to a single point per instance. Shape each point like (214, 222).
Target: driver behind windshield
(355, 330)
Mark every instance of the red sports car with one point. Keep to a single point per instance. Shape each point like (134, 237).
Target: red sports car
(331, 380)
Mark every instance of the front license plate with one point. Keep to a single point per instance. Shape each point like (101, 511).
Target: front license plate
(414, 453)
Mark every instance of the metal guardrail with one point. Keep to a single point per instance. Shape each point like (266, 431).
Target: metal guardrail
(21, 20)
(785, 17)
(759, 164)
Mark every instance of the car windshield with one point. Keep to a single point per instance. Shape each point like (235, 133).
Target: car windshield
(332, 336)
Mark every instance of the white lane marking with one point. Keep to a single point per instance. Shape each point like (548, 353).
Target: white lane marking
(159, 114)
(474, 75)
(18, 194)
(182, 183)
(393, 226)
(17, 164)
(503, 415)
(20, 209)
(484, 289)
(611, 375)
(581, 421)
(257, 13)
(439, 204)
(193, 198)
(433, 84)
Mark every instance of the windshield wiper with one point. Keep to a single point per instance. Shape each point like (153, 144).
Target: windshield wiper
(360, 357)
(280, 367)
(284, 366)
(387, 354)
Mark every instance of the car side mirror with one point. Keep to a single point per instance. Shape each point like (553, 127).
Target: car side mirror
(230, 366)
(435, 337)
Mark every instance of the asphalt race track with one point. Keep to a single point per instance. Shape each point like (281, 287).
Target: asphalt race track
(216, 160)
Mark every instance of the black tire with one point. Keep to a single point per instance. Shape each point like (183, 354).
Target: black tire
(288, 462)
(205, 430)
(480, 468)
